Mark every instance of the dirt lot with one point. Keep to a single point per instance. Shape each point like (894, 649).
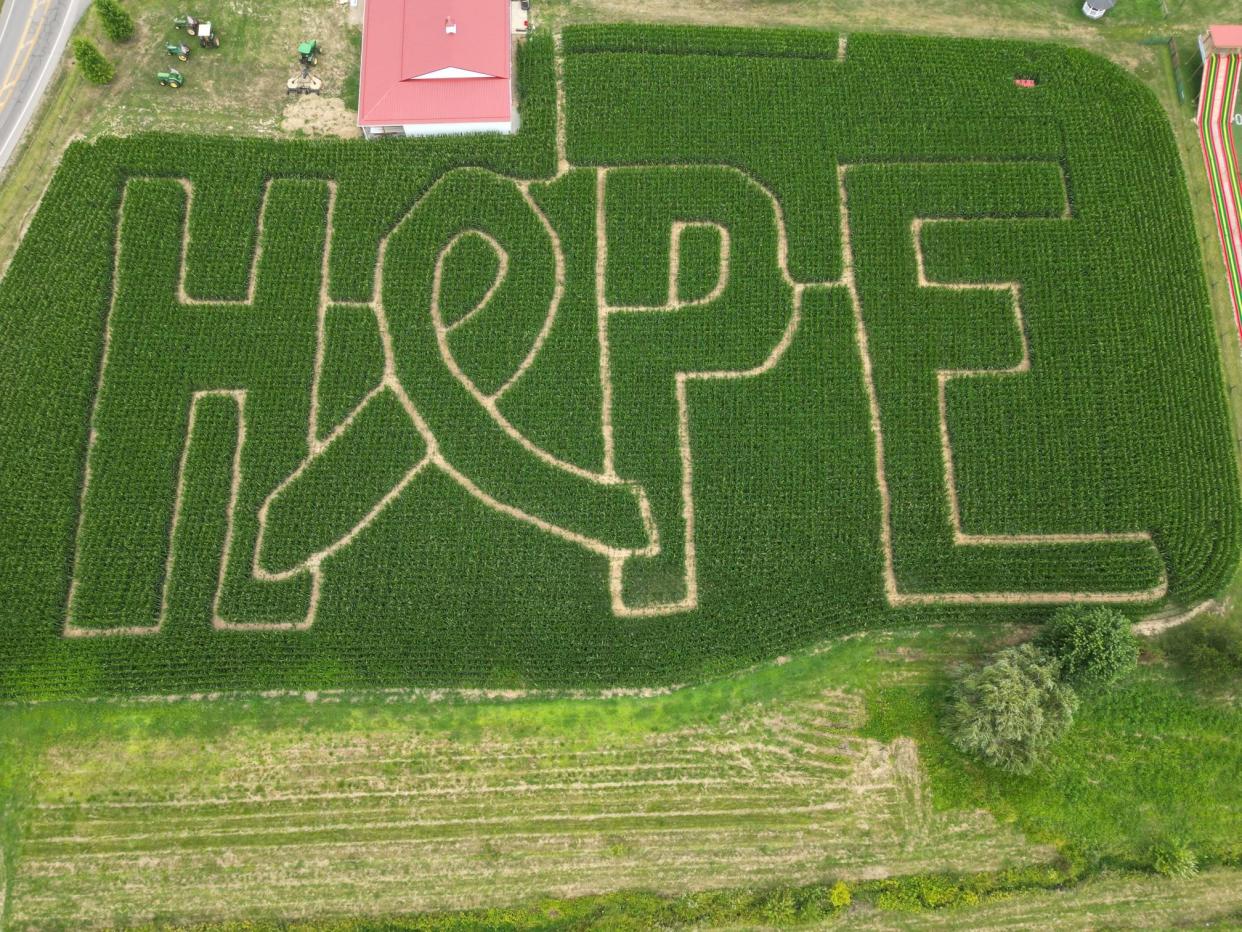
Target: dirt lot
(238, 88)
(317, 115)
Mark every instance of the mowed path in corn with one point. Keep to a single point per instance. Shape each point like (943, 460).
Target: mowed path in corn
(290, 823)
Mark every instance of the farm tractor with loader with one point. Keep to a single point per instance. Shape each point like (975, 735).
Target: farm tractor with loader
(194, 26)
(171, 78)
(178, 49)
(306, 83)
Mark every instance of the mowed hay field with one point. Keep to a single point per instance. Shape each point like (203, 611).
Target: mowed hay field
(290, 824)
(388, 803)
(745, 340)
(369, 804)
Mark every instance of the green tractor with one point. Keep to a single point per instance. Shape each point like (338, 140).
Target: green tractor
(308, 52)
(199, 28)
(207, 37)
(178, 49)
(171, 78)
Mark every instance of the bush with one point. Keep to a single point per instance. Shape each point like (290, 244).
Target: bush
(1208, 648)
(839, 896)
(96, 68)
(778, 908)
(1010, 712)
(1094, 645)
(925, 891)
(117, 23)
(1174, 858)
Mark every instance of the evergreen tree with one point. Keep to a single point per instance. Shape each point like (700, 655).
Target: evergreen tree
(96, 68)
(117, 23)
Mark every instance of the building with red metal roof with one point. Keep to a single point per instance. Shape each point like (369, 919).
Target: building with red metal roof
(436, 66)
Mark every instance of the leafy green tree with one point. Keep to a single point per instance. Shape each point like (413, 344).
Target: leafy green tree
(1094, 645)
(116, 22)
(1011, 711)
(96, 68)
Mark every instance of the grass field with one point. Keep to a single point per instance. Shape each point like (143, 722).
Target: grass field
(431, 819)
(387, 803)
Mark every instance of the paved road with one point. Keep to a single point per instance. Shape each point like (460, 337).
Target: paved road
(32, 35)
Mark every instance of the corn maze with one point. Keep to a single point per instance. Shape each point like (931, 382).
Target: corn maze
(745, 339)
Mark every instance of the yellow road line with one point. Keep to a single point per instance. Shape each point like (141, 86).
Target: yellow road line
(26, 45)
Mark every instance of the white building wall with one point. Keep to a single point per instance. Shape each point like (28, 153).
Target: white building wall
(448, 129)
(439, 129)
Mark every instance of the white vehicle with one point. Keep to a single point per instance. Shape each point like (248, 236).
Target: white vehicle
(519, 16)
(1094, 9)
